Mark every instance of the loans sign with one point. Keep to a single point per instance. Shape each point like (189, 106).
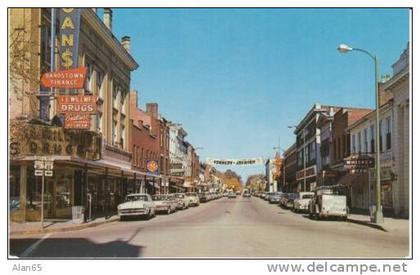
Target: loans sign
(69, 37)
(81, 104)
(67, 79)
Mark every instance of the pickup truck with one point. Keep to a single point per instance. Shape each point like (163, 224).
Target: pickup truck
(328, 202)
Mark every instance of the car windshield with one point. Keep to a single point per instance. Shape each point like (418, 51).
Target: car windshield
(136, 198)
(179, 196)
(191, 194)
(307, 196)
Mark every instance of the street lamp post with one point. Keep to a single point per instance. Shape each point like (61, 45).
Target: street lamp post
(378, 215)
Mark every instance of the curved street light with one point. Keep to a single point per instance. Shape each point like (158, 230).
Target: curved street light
(378, 215)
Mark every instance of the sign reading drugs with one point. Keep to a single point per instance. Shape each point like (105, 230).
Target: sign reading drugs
(81, 104)
(69, 37)
(67, 79)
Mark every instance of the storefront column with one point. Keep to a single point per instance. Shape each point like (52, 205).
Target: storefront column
(22, 193)
(86, 196)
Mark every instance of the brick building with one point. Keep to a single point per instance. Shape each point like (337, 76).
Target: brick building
(290, 162)
(91, 167)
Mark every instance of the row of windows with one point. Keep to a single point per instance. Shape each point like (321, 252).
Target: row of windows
(310, 154)
(364, 141)
(141, 156)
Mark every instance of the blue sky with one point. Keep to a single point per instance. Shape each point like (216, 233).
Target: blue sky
(235, 78)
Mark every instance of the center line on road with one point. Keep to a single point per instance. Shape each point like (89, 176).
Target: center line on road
(34, 246)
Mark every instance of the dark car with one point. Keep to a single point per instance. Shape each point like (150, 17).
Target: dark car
(291, 199)
(202, 197)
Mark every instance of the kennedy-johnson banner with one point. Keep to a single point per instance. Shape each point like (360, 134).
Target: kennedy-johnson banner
(250, 161)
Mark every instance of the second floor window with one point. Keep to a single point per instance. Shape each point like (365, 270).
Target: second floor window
(372, 139)
(365, 140)
(89, 77)
(388, 133)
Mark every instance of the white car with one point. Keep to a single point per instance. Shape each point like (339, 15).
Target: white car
(193, 198)
(165, 203)
(138, 204)
(183, 201)
(302, 202)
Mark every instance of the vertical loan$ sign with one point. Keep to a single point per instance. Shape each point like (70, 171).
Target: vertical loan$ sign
(69, 37)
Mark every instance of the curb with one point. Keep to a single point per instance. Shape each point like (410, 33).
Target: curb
(63, 229)
(367, 223)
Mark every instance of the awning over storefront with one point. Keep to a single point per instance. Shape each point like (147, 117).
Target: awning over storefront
(353, 179)
(96, 164)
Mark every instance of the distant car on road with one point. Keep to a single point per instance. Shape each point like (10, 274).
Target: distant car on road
(302, 201)
(193, 198)
(232, 195)
(246, 194)
(165, 203)
(138, 204)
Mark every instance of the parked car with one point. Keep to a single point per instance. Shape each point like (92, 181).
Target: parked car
(291, 200)
(183, 201)
(165, 203)
(193, 199)
(275, 197)
(283, 200)
(268, 195)
(138, 204)
(202, 197)
(246, 194)
(302, 201)
(328, 201)
(232, 195)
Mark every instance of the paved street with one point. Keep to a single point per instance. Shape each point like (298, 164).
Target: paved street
(241, 227)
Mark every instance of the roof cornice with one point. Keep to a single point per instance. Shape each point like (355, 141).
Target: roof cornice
(93, 20)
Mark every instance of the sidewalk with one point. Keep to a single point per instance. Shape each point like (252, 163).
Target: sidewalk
(390, 224)
(31, 228)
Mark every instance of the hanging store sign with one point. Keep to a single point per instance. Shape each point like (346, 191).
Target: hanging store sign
(152, 166)
(69, 30)
(77, 121)
(251, 161)
(68, 79)
(306, 173)
(81, 104)
(359, 164)
(27, 139)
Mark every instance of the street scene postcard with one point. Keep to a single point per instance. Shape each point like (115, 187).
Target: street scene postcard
(185, 133)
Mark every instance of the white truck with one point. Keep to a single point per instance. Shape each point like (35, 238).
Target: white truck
(328, 202)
